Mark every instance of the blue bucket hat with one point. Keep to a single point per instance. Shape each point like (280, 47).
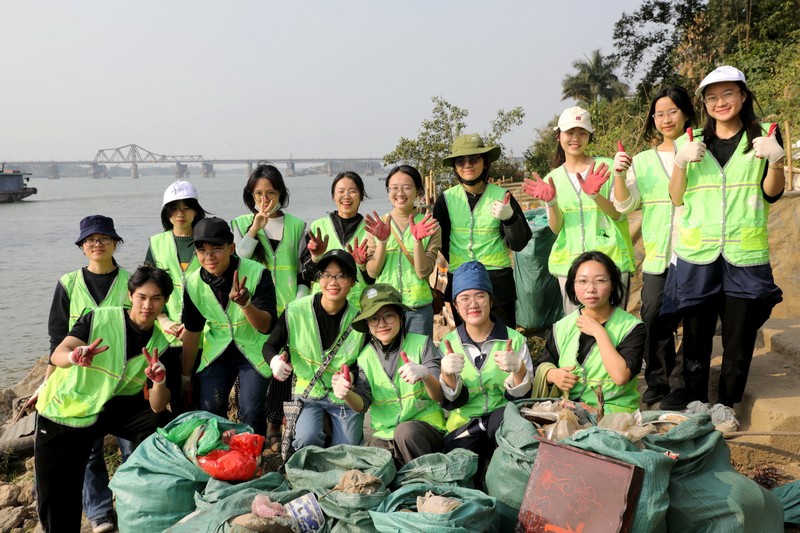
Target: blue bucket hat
(97, 224)
(471, 275)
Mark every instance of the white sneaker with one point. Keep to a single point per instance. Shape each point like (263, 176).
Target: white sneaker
(102, 524)
(724, 419)
(697, 407)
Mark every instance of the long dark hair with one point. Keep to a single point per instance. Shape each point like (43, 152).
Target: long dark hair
(613, 274)
(275, 178)
(560, 156)
(747, 116)
(170, 207)
(680, 97)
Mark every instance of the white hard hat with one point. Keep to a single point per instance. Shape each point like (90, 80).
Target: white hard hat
(179, 190)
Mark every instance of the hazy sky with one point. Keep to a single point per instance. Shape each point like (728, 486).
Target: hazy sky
(260, 79)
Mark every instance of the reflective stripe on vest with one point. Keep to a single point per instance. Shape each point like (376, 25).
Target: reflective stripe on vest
(396, 401)
(624, 398)
(724, 210)
(475, 233)
(325, 225)
(81, 300)
(398, 270)
(586, 227)
(652, 179)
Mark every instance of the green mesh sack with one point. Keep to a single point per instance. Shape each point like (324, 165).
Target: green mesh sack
(455, 468)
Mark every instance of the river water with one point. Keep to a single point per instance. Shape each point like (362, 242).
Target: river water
(37, 237)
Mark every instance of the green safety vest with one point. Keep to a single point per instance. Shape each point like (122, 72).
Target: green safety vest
(724, 210)
(305, 347)
(75, 396)
(165, 254)
(81, 301)
(396, 401)
(282, 263)
(229, 324)
(326, 226)
(618, 398)
(475, 233)
(586, 227)
(485, 386)
(400, 273)
(652, 179)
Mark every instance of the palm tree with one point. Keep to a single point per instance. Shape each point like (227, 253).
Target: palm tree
(594, 79)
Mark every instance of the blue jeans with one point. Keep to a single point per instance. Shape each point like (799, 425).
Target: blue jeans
(216, 382)
(420, 321)
(97, 497)
(347, 425)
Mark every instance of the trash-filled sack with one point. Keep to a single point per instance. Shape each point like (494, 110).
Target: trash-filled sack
(155, 487)
(240, 462)
(440, 508)
(706, 493)
(321, 471)
(458, 467)
(789, 496)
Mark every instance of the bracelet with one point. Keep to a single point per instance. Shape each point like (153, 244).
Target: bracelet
(186, 378)
(778, 164)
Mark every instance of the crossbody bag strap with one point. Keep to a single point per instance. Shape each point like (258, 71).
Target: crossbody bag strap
(400, 241)
(327, 361)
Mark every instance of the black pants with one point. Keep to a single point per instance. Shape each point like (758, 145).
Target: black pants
(741, 319)
(664, 366)
(480, 436)
(61, 453)
(412, 439)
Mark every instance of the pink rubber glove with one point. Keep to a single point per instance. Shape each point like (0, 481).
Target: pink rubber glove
(595, 178)
(424, 228)
(538, 188)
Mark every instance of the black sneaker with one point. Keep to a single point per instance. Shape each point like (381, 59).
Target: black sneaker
(676, 400)
(655, 393)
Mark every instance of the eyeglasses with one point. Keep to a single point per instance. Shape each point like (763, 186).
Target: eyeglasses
(479, 299)
(211, 252)
(661, 115)
(405, 188)
(388, 318)
(464, 159)
(102, 241)
(579, 134)
(326, 277)
(346, 192)
(599, 283)
(727, 97)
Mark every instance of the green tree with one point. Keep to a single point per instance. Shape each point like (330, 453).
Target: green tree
(594, 79)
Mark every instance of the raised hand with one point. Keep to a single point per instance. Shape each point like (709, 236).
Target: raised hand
(265, 208)
(502, 210)
(563, 378)
(317, 244)
(595, 178)
(239, 293)
(412, 372)
(691, 152)
(424, 228)
(359, 251)
(83, 355)
(155, 371)
(281, 367)
(589, 326)
(622, 161)
(538, 188)
(768, 147)
(341, 382)
(375, 225)
(452, 363)
(507, 360)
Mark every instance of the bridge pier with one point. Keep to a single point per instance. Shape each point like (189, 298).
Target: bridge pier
(135, 171)
(329, 168)
(248, 169)
(97, 171)
(290, 170)
(207, 170)
(181, 171)
(52, 172)
(370, 169)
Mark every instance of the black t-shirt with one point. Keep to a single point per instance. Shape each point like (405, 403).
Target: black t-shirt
(723, 150)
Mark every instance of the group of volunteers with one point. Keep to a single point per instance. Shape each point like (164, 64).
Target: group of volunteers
(339, 314)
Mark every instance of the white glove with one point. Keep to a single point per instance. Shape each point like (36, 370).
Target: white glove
(453, 364)
(768, 147)
(507, 361)
(622, 162)
(340, 386)
(281, 368)
(691, 152)
(413, 372)
(501, 211)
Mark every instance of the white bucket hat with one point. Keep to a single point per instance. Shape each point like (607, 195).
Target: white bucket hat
(720, 74)
(575, 117)
(179, 190)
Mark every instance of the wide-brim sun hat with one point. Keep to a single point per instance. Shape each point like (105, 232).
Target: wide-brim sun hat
(575, 117)
(179, 190)
(373, 299)
(470, 144)
(97, 224)
(719, 75)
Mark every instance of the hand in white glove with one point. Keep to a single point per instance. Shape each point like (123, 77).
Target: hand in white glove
(691, 152)
(83, 355)
(507, 360)
(281, 368)
(412, 372)
(341, 385)
(768, 147)
(502, 210)
(452, 363)
(622, 161)
(169, 326)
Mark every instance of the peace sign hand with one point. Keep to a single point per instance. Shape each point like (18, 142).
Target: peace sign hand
(155, 371)
(375, 225)
(424, 228)
(507, 360)
(538, 188)
(359, 252)
(595, 178)
(83, 355)
(239, 293)
(265, 208)
(317, 245)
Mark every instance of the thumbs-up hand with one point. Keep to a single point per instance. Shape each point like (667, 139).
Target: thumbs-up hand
(502, 210)
(768, 147)
(341, 382)
(452, 363)
(622, 161)
(507, 360)
(412, 372)
(281, 367)
(691, 152)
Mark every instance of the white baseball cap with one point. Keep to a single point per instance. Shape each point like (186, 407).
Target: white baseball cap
(720, 74)
(575, 117)
(179, 190)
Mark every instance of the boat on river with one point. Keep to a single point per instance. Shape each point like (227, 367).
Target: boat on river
(13, 185)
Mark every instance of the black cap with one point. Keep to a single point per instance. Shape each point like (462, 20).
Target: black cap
(97, 224)
(342, 258)
(212, 230)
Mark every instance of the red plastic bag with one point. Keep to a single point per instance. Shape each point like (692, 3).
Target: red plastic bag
(248, 443)
(228, 465)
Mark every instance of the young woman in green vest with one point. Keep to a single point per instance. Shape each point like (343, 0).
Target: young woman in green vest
(343, 229)
(647, 187)
(577, 195)
(725, 177)
(102, 283)
(105, 361)
(599, 343)
(310, 331)
(276, 240)
(402, 247)
(489, 361)
(481, 221)
(396, 378)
